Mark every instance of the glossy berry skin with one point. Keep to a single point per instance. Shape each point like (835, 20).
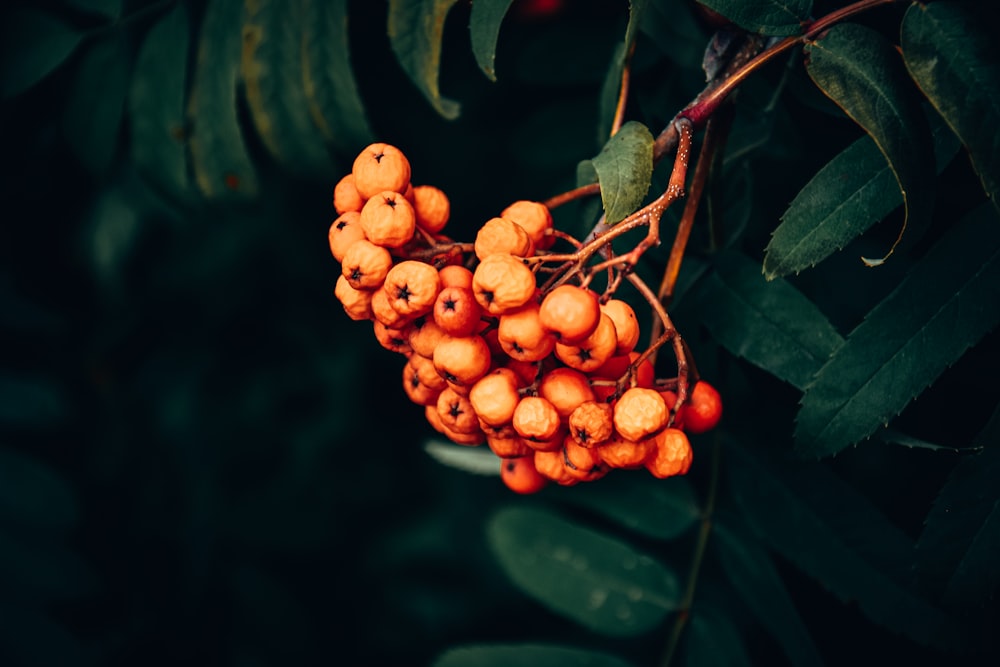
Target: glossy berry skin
(521, 476)
(703, 410)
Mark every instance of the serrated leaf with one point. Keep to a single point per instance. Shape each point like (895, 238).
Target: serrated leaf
(484, 31)
(93, 115)
(624, 169)
(475, 460)
(32, 45)
(33, 497)
(944, 305)
(713, 641)
(112, 9)
(331, 90)
(835, 536)
(219, 157)
(894, 437)
(954, 63)
(613, 79)
(753, 574)
(658, 508)
(156, 105)
(844, 199)
(586, 576)
(958, 547)
(416, 28)
(768, 17)
(769, 323)
(861, 71)
(524, 655)
(273, 66)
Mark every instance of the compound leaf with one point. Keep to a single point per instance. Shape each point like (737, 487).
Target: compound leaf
(624, 169)
(32, 45)
(524, 655)
(613, 79)
(860, 70)
(944, 305)
(591, 578)
(768, 17)
(769, 323)
(416, 28)
(955, 65)
(484, 30)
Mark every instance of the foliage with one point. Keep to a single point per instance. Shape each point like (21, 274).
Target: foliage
(203, 460)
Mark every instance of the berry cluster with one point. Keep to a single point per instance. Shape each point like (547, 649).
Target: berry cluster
(548, 377)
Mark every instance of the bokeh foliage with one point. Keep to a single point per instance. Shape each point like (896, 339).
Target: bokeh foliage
(204, 461)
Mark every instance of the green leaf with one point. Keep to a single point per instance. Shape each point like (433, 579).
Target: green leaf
(331, 90)
(947, 302)
(222, 165)
(613, 80)
(32, 45)
(416, 28)
(624, 168)
(156, 105)
(475, 460)
(93, 115)
(768, 17)
(273, 68)
(658, 508)
(953, 60)
(713, 641)
(524, 655)
(595, 580)
(752, 573)
(33, 496)
(112, 9)
(769, 323)
(484, 30)
(834, 535)
(860, 70)
(958, 547)
(847, 196)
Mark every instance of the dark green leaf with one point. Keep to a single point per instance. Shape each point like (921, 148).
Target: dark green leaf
(894, 437)
(33, 496)
(595, 580)
(156, 105)
(484, 30)
(625, 168)
(475, 460)
(713, 641)
(32, 45)
(831, 533)
(222, 166)
(753, 574)
(958, 547)
(331, 91)
(416, 28)
(861, 71)
(613, 80)
(769, 17)
(93, 115)
(658, 508)
(954, 62)
(274, 73)
(109, 8)
(947, 302)
(524, 655)
(848, 195)
(769, 323)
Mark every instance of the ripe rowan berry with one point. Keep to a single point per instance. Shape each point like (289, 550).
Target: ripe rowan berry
(412, 287)
(357, 303)
(535, 419)
(522, 336)
(495, 397)
(621, 453)
(432, 208)
(392, 339)
(672, 454)
(581, 462)
(639, 413)
(456, 412)
(507, 447)
(414, 386)
(344, 231)
(388, 219)
(455, 275)
(382, 310)
(626, 324)
(521, 476)
(551, 464)
(591, 352)
(462, 359)
(423, 335)
(380, 167)
(365, 264)
(670, 398)
(456, 311)
(565, 388)
(703, 410)
(590, 423)
(535, 218)
(501, 283)
(500, 235)
(570, 312)
(346, 196)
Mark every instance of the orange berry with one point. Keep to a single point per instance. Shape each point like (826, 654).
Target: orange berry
(380, 167)
(670, 398)
(388, 219)
(645, 374)
(551, 464)
(639, 413)
(365, 264)
(703, 410)
(472, 439)
(346, 196)
(412, 287)
(357, 303)
(425, 370)
(570, 312)
(456, 412)
(494, 396)
(526, 371)
(432, 208)
(589, 354)
(565, 388)
(581, 462)
(522, 336)
(392, 339)
(457, 312)
(499, 235)
(462, 359)
(521, 476)
(507, 447)
(344, 231)
(455, 275)
(535, 419)
(382, 310)
(626, 324)
(672, 454)
(414, 386)
(590, 424)
(501, 283)
(621, 453)
(535, 218)
(424, 334)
